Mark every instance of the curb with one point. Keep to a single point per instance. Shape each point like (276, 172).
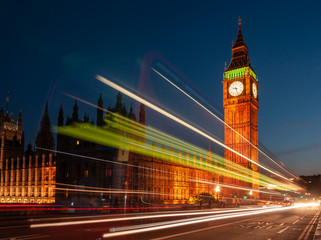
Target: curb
(317, 234)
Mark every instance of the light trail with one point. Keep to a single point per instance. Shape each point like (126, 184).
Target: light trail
(151, 216)
(178, 120)
(151, 169)
(135, 129)
(219, 119)
(177, 223)
(207, 165)
(114, 215)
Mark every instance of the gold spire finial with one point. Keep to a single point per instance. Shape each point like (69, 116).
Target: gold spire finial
(240, 21)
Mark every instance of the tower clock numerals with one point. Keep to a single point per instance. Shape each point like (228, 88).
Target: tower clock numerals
(236, 88)
(254, 90)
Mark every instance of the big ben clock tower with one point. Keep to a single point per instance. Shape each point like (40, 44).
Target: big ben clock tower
(240, 100)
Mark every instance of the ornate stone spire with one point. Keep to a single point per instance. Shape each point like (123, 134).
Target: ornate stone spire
(240, 56)
(75, 113)
(100, 113)
(142, 114)
(44, 137)
(19, 121)
(119, 103)
(61, 116)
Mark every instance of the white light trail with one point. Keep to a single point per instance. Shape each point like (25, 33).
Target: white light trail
(179, 223)
(161, 171)
(207, 110)
(59, 224)
(222, 169)
(178, 120)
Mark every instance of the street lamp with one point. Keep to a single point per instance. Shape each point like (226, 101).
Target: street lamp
(217, 190)
(251, 193)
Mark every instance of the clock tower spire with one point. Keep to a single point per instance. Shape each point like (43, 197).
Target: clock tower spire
(240, 100)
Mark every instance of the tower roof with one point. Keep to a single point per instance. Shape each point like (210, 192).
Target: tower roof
(239, 39)
(240, 57)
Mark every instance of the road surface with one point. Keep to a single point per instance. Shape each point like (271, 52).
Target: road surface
(244, 223)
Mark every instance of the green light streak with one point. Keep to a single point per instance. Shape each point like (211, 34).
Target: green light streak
(123, 133)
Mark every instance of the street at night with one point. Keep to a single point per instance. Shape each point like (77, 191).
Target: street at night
(257, 223)
(160, 120)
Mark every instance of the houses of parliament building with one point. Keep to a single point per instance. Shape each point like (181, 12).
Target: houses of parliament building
(76, 170)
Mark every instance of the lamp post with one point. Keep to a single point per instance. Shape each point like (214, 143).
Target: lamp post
(217, 190)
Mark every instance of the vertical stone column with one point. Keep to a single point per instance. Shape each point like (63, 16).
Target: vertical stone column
(29, 178)
(36, 179)
(43, 175)
(50, 178)
(6, 181)
(1, 155)
(11, 178)
(23, 182)
(2, 172)
(18, 183)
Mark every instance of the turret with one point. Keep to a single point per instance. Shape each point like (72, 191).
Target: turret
(61, 117)
(131, 115)
(75, 112)
(142, 114)
(124, 111)
(86, 118)
(19, 121)
(100, 113)
(119, 104)
(45, 138)
(1, 113)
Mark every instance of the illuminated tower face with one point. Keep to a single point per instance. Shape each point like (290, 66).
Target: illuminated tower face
(240, 99)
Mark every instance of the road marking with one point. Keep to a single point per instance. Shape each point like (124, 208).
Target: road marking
(135, 229)
(295, 221)
(283, 229)
(14, 226)
(41, 236)
(269, 227)
(302, 217)
(308, 228)
(198, 230)
(25, 237)
(281, 224)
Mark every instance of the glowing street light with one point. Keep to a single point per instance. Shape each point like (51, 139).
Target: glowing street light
(251, 193)
(217, 190)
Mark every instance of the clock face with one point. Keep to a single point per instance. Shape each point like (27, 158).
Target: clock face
(254, 90)
(236, 88)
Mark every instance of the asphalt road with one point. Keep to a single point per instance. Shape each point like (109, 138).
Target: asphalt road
(244, 223)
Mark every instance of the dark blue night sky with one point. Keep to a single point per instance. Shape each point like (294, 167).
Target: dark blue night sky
(47, 43)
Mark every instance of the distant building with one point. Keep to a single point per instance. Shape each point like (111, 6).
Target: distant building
(26, 177)
(11, 136)
(313, 183)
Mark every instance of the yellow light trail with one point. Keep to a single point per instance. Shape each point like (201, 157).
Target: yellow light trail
(178, 120)
(130, 127)
(151, 169)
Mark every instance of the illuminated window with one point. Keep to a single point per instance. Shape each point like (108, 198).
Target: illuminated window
(77, 142)
(86, 173)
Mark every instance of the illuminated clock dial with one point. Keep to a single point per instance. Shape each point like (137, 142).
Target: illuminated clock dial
(236, 88)
(254, 90)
